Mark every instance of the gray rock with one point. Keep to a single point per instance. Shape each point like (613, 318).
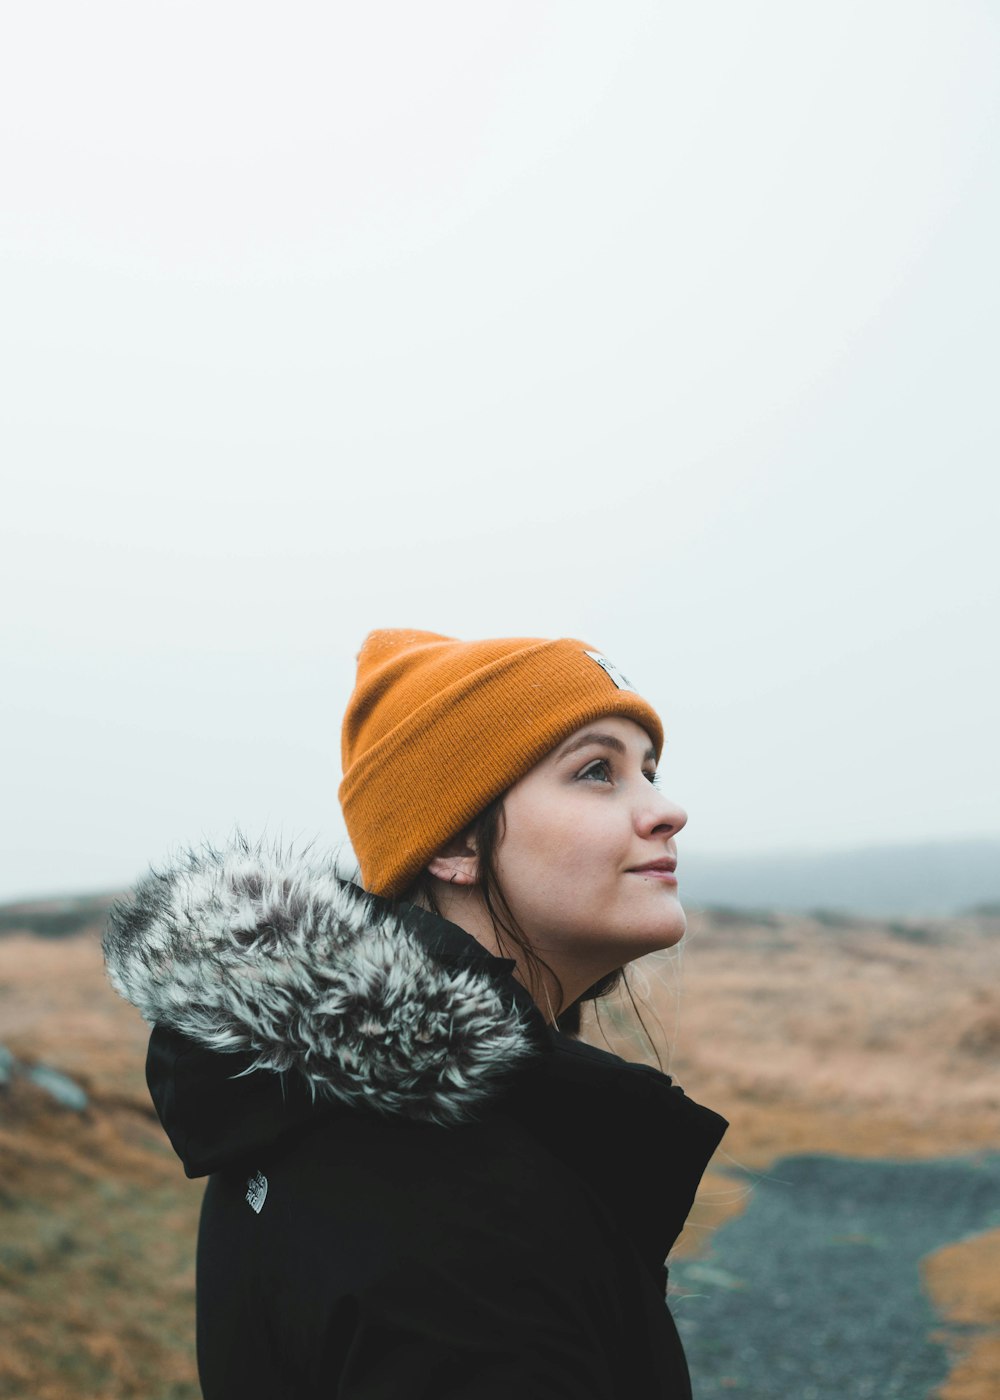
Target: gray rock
(58, 1086)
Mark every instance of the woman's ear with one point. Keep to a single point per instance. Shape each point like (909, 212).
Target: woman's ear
(457, 862)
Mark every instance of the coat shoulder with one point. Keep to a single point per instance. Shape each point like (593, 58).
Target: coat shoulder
(409, 1181)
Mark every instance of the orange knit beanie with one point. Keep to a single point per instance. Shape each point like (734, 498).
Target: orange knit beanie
(437, 728)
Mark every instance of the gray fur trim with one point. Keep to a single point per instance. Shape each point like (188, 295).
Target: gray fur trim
(257, 949)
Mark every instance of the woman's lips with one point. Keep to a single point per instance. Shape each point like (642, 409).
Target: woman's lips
(667, 876)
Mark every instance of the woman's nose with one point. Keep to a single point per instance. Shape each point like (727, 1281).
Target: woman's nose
(663, 815)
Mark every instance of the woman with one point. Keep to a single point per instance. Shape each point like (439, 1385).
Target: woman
(421, 1184)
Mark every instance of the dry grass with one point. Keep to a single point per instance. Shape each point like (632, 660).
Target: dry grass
(809, 1036)
(96, 1259)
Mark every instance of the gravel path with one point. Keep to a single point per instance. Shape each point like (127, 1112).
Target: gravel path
(814, 1293)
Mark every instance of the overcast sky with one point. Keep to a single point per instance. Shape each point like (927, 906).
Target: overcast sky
(669, 327)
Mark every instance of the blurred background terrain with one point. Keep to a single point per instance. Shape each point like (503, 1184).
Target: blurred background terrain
(828, 1033)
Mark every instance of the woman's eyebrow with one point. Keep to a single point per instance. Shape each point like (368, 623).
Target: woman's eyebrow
(609, 741)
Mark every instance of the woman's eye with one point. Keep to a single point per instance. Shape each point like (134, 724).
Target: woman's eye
(599, 768)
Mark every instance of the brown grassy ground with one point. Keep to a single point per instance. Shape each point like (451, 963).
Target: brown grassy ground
(808, 1036)
(98, 1219)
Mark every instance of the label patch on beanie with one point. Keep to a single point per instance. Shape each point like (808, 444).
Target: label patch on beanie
(622, 682)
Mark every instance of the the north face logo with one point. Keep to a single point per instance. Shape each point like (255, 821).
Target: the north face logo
(257, 1192)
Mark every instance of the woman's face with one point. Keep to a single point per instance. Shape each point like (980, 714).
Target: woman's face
(577, 829)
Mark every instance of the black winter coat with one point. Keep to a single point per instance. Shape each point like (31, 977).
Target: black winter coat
(416, 1189)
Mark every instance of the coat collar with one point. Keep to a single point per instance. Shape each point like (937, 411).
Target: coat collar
(628, 1130)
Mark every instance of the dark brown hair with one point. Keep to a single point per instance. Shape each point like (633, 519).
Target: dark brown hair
(487, 832)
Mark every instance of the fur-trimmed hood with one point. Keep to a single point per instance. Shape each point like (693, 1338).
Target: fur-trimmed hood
(301, 1025)
(276, 957)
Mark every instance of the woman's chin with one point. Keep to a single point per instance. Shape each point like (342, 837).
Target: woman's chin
(669, 920)
(663, 931)
(674, 932)
(674, 929)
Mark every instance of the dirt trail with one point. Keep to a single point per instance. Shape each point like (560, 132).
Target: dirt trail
(815, 1290)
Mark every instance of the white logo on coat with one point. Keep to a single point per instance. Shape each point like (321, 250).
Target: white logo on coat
(257, 1192)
